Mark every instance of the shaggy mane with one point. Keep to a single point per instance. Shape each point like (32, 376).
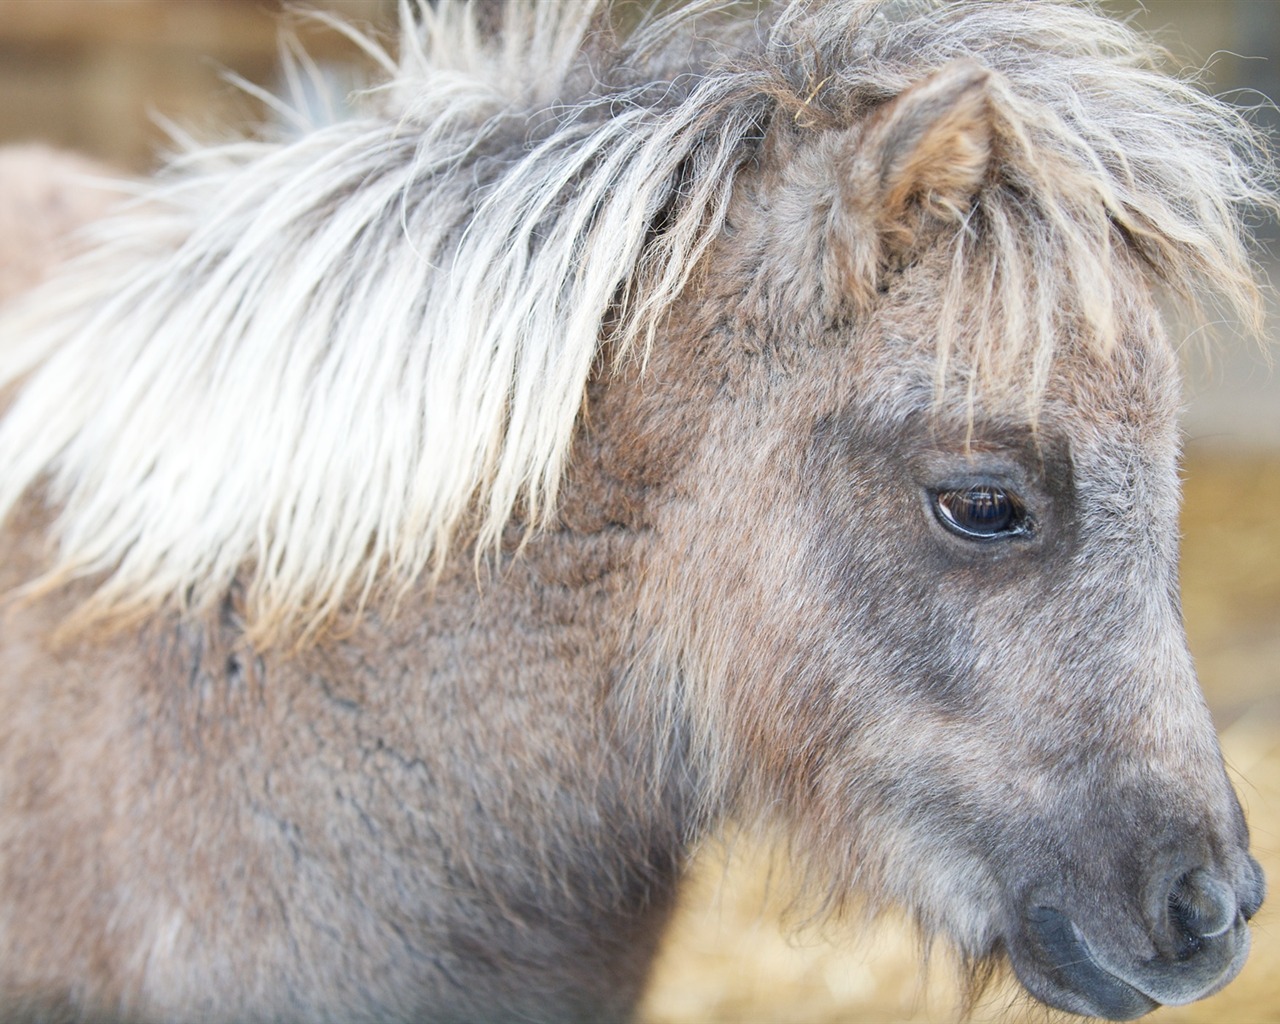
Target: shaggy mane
(326, 359)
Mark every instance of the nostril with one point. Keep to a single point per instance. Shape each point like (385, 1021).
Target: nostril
(1202, 906)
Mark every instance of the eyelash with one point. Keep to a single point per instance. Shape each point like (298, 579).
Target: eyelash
(983, 512)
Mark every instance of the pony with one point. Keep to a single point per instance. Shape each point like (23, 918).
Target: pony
(425, 526)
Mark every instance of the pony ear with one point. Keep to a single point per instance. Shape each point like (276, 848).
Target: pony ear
(918, 162)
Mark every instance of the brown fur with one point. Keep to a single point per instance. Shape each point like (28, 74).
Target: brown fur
(475, 802)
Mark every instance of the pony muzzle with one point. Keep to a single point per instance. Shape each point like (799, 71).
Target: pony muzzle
(1199, 930)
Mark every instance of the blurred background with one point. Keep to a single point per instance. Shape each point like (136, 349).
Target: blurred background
(95, 76)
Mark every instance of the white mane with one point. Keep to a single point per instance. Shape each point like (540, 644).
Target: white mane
(317, 356)
(318, 360)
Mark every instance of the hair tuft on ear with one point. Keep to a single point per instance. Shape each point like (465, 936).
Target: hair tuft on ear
(919, 161)
(932, 145)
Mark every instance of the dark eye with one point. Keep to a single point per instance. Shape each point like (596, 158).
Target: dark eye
(981, 513)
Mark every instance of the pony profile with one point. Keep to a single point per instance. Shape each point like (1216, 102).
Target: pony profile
(422, 529)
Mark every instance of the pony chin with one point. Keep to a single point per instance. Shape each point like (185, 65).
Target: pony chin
(949, 897)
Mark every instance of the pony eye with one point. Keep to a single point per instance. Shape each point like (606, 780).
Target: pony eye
(981, 513)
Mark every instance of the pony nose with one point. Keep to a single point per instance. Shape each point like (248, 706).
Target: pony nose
(1202, 905)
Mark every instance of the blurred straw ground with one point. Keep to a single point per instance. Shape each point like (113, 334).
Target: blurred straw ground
(89, 75)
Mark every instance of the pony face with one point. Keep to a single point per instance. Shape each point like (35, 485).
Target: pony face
(988, 716)
(936, 629)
